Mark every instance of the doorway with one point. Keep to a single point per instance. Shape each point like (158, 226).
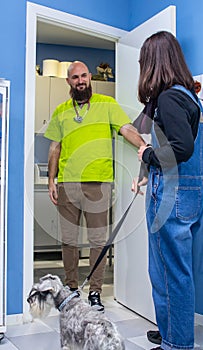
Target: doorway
(34, 13)
(50, 92)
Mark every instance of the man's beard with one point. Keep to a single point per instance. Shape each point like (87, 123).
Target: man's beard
(81, 95)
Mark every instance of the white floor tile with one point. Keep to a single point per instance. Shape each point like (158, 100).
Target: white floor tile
(40, 341)
(7, 345)
(37, 326)
(53, 323)
(118, 313)
(142, 342)
(44, 334)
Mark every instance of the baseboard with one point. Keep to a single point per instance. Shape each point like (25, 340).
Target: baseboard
(14, 319)
(25, 318)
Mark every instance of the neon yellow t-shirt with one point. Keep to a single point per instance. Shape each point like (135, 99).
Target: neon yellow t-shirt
(86, 147)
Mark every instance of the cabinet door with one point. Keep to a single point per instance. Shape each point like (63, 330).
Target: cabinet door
(45, 221)
(42, 103)
(94, 86)
(59, 93)
(105, 88)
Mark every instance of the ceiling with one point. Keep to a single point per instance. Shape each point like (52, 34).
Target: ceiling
(50, 33)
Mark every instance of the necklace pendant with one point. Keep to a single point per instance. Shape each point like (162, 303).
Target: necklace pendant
(78, 119)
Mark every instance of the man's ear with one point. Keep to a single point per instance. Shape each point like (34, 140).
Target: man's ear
(90, 75)
(67, 80)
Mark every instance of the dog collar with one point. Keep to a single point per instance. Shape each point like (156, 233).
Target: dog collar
(69, 298)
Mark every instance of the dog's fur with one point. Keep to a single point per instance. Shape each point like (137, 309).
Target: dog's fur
(81, 326)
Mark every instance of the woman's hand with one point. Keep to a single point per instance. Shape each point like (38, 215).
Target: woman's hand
(136, 185)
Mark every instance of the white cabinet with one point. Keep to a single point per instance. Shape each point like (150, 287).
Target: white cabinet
(46, 221)
(104, 87)
(47, 233)
(51, 91)
(59, 92)
(42, 102)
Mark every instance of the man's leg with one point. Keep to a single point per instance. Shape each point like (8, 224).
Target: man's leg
(97, 277)
(96, 206)
(70, 256)
(69, 214)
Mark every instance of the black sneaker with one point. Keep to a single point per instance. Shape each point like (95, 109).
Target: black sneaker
(154, 337)
(95, 302)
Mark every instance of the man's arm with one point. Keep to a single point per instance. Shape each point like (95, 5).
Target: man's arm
(53, 161)
(132, 135)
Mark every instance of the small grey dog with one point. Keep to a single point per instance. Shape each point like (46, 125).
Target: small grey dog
(81, 326)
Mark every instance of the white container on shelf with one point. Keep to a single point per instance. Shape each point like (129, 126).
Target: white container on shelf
(63, 68)
(50, 68)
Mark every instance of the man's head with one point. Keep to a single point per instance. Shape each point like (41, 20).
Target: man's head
(79, 79)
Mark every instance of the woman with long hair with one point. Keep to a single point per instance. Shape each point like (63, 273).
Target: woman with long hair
(174, 198)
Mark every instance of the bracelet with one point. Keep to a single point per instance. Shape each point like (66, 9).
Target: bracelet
(148, 145)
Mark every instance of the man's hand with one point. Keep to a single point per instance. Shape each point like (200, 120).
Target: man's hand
(54, 154)
(53, 193)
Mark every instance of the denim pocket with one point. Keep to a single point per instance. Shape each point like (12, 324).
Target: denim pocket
(188, 202)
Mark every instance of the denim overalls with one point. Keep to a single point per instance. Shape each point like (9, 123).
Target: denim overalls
(175, 224)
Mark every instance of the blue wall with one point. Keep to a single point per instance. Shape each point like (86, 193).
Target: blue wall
(118, 13)
(114, 12)
(189, 15)
(92, 57)
(12, 67)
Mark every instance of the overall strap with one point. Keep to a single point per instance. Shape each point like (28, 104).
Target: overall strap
(189, 93)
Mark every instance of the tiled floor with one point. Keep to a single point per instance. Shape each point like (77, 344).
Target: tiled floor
(44, 335)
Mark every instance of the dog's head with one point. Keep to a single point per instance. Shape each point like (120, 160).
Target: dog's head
(42, 294)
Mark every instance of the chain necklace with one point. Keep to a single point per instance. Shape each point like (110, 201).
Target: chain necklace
(78, 118)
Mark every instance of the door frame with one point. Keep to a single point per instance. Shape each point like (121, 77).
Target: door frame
(5, 92)
(37, 12)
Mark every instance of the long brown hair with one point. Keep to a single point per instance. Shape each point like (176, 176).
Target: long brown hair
(162, 65)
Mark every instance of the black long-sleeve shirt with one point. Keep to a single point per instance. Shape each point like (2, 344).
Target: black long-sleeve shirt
(176, 125)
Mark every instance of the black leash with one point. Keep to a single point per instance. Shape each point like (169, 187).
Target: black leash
(110, 241)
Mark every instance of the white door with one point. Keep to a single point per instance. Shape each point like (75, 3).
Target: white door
(132, 287)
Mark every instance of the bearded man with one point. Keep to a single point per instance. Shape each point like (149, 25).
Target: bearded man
(81, 157)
